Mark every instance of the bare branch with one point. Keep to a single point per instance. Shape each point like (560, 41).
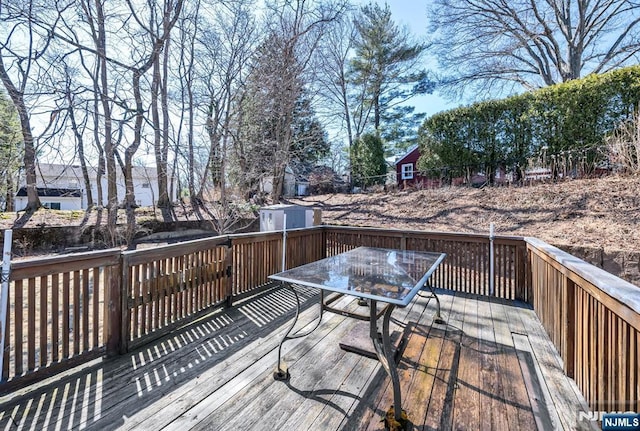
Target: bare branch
(535, 42)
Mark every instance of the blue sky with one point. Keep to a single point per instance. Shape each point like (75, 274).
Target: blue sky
(413, 14)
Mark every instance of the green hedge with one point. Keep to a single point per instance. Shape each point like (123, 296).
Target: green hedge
(569, 118)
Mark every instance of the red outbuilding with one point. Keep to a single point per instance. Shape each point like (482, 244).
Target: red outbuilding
(407, 171)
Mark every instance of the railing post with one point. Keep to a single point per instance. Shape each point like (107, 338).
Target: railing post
(324, 242)
(529, 295)
(4, 302)
(523, 274)
(570, 327)
(228, 258)
(114, 310)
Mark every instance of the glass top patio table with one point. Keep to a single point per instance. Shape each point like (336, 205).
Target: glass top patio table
(385, 275)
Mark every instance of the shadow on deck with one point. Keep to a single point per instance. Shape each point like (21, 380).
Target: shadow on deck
(491, 366)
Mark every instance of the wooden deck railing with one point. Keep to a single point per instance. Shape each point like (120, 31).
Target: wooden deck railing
(467, 266)
(58, 312)
(66, 310)
(168, 286)
(69, 309)
(593, 319)
(258, 255)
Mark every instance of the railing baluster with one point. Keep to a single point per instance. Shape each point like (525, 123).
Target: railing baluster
(19, 325)
(31, 324)
(42, 333)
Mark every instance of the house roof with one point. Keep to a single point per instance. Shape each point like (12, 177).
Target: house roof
(411, 150)
(51, 192)
(52, 170)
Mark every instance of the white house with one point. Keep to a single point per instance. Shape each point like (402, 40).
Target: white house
(292, 185)
(62, 187)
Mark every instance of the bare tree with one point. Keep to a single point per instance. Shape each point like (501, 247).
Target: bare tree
(158, 33)
(22, 45)
(532, 43)
(159, 89)
(188, 27)
(284, 58)
(235, 40)
(331, 76)
(92, 108)
(216, 40)
(155, 31)
(78, 126)
(93, 14)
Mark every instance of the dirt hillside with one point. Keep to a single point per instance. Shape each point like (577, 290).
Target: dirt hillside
(599, 213)
(595, 219)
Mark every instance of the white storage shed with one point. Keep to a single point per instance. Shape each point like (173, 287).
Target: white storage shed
(272, 217)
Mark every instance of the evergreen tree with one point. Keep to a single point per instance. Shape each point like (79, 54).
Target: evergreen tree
(368, 165)
(10, 152)
(386, 68)
(309, 139)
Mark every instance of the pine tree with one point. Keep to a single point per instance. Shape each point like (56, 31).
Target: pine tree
(386, 67)
(10, 151)
(368, 165)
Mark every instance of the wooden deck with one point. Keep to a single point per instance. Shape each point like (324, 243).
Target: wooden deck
(491, 366)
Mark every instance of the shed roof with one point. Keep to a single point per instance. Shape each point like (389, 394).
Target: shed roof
(411, 150)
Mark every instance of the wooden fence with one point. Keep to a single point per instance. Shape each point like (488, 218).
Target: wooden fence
(467, 266)
(593, 319)
(67, 310)
(70, 309)
(258, 255)
(168, 286)
(58, 313)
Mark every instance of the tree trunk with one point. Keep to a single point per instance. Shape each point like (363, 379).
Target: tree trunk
(109, 149)
(164, 200)
(29, 160)
(129, 197)
(347, 118)
(214, 160)
(277, 183)
(157, 135)
(193, 196)
(9, 199)
(376, 113)
(80, 145)
(29, 157)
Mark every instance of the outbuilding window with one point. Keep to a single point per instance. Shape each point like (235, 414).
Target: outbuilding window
(406, 171)
(52, 205)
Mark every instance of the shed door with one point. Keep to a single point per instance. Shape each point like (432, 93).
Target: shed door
(296, 218)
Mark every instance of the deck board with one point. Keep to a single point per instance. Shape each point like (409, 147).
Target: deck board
(491, 371)
(280, 399)
(564, 393)
(441, 403)
(217, 374)
(466, 414)
(516, 402)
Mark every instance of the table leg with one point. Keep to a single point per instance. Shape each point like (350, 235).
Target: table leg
(438, 318)
(282, 372)
(384, 351)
